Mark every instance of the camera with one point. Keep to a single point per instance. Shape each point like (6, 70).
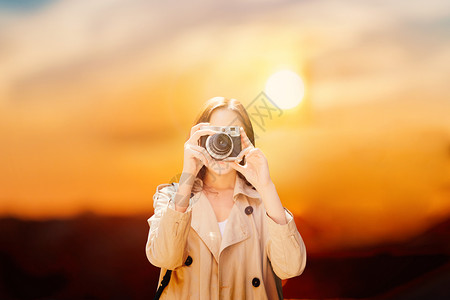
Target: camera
(225, 145)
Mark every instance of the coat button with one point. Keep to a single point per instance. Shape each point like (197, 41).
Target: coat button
(248, 210)
(188, 261)
(255, 282)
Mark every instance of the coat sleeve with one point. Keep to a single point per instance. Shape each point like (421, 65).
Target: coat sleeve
(169, 229)
(285, 247)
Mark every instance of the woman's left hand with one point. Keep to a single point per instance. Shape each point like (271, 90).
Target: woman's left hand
(256, 168)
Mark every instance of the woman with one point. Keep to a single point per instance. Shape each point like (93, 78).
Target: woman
(222, 229)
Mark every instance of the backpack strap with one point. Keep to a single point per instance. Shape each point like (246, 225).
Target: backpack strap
(164, 283)
(166, 277)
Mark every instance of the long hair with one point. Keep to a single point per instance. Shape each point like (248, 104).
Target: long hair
(205, 116)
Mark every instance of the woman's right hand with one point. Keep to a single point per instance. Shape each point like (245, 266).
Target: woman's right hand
(195, 156)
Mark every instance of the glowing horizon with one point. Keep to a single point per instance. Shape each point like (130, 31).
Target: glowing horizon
(96, 101)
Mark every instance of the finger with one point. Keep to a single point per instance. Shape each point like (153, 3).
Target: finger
(193, 140)
(203, 151)
(200, 157)
(242, 153)
(244, 139)
(197, 127)
(235, 165)
(205, 157)
(252, 152)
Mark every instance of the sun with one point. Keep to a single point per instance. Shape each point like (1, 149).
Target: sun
(285, 88)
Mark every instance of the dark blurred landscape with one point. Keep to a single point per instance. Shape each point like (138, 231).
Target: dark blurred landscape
(98, 257)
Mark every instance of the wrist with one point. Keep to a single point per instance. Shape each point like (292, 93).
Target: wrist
(187, 176)
(180, 208)
(189, 170)
(267, 186)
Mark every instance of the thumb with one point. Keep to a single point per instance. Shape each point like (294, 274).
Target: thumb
(237, 166)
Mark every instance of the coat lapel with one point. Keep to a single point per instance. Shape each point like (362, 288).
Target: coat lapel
(204, 222)
(238, 227)
(240, 187)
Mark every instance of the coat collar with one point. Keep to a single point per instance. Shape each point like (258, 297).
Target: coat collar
(240, 187)
(238, 227)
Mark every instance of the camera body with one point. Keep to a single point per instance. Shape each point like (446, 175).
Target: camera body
(225, 145)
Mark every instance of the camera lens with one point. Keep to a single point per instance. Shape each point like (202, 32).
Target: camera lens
(219, 145)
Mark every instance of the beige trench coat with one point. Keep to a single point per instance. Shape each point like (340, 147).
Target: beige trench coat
(248, 262)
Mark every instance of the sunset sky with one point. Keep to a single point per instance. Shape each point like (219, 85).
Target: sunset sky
(97, 99)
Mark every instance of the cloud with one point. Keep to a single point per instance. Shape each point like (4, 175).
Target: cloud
(97, 98)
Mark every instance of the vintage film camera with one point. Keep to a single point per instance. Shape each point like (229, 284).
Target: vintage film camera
(224, 145)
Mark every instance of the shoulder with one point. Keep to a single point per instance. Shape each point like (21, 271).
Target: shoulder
(164, 192)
